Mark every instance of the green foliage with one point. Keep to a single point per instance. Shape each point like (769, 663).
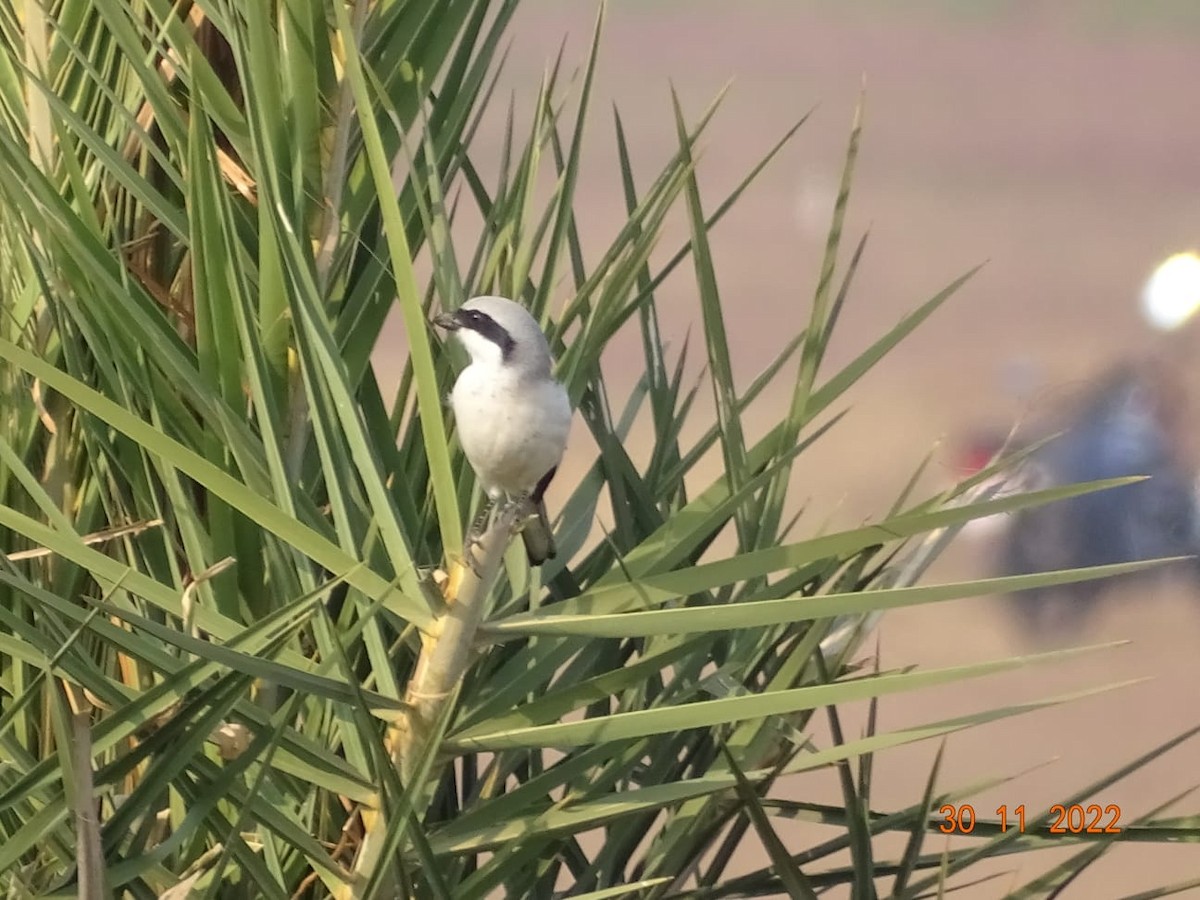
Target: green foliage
(221, 533)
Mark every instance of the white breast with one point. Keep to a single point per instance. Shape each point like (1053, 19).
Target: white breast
(513, 430)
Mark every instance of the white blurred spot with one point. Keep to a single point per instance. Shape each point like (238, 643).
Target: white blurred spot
(1172, 294)
(816, 195)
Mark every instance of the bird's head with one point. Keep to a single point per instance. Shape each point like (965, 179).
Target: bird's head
(497, 331)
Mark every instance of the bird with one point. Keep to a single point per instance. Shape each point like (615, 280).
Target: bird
(513, 416)
(1128, 423)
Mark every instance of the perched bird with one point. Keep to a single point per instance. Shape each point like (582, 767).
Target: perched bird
(1129, 423)
(513, 416)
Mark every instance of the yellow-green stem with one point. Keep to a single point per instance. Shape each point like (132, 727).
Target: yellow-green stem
(445, 654)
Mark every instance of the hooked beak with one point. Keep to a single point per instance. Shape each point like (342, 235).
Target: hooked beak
(447, 320)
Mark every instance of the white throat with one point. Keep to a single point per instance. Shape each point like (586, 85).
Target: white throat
(483, 352)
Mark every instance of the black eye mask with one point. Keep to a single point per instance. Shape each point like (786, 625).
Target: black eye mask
(483, 324)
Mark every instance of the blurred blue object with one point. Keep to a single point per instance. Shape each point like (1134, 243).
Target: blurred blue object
(1129, 423)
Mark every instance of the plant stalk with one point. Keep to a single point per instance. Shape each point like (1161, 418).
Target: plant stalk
(447, 648)
(446, 652)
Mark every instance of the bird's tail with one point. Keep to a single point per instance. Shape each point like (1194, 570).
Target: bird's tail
(538, 536)
(537, 533)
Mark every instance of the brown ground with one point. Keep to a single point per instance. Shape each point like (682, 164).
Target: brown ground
(1066, 152)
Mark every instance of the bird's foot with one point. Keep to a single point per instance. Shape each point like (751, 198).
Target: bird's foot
(482, 522)
(523, 506)
(476, 532)
(468, 551)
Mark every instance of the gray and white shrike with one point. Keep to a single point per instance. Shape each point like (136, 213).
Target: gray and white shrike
(513, 416)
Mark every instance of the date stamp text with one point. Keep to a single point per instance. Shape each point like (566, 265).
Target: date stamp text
(1074, 818)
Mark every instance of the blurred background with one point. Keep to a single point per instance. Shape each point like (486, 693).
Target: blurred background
(1060, 143)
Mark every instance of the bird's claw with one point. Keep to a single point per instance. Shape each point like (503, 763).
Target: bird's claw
(482, 522)
(468, 552)
(524, 507)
